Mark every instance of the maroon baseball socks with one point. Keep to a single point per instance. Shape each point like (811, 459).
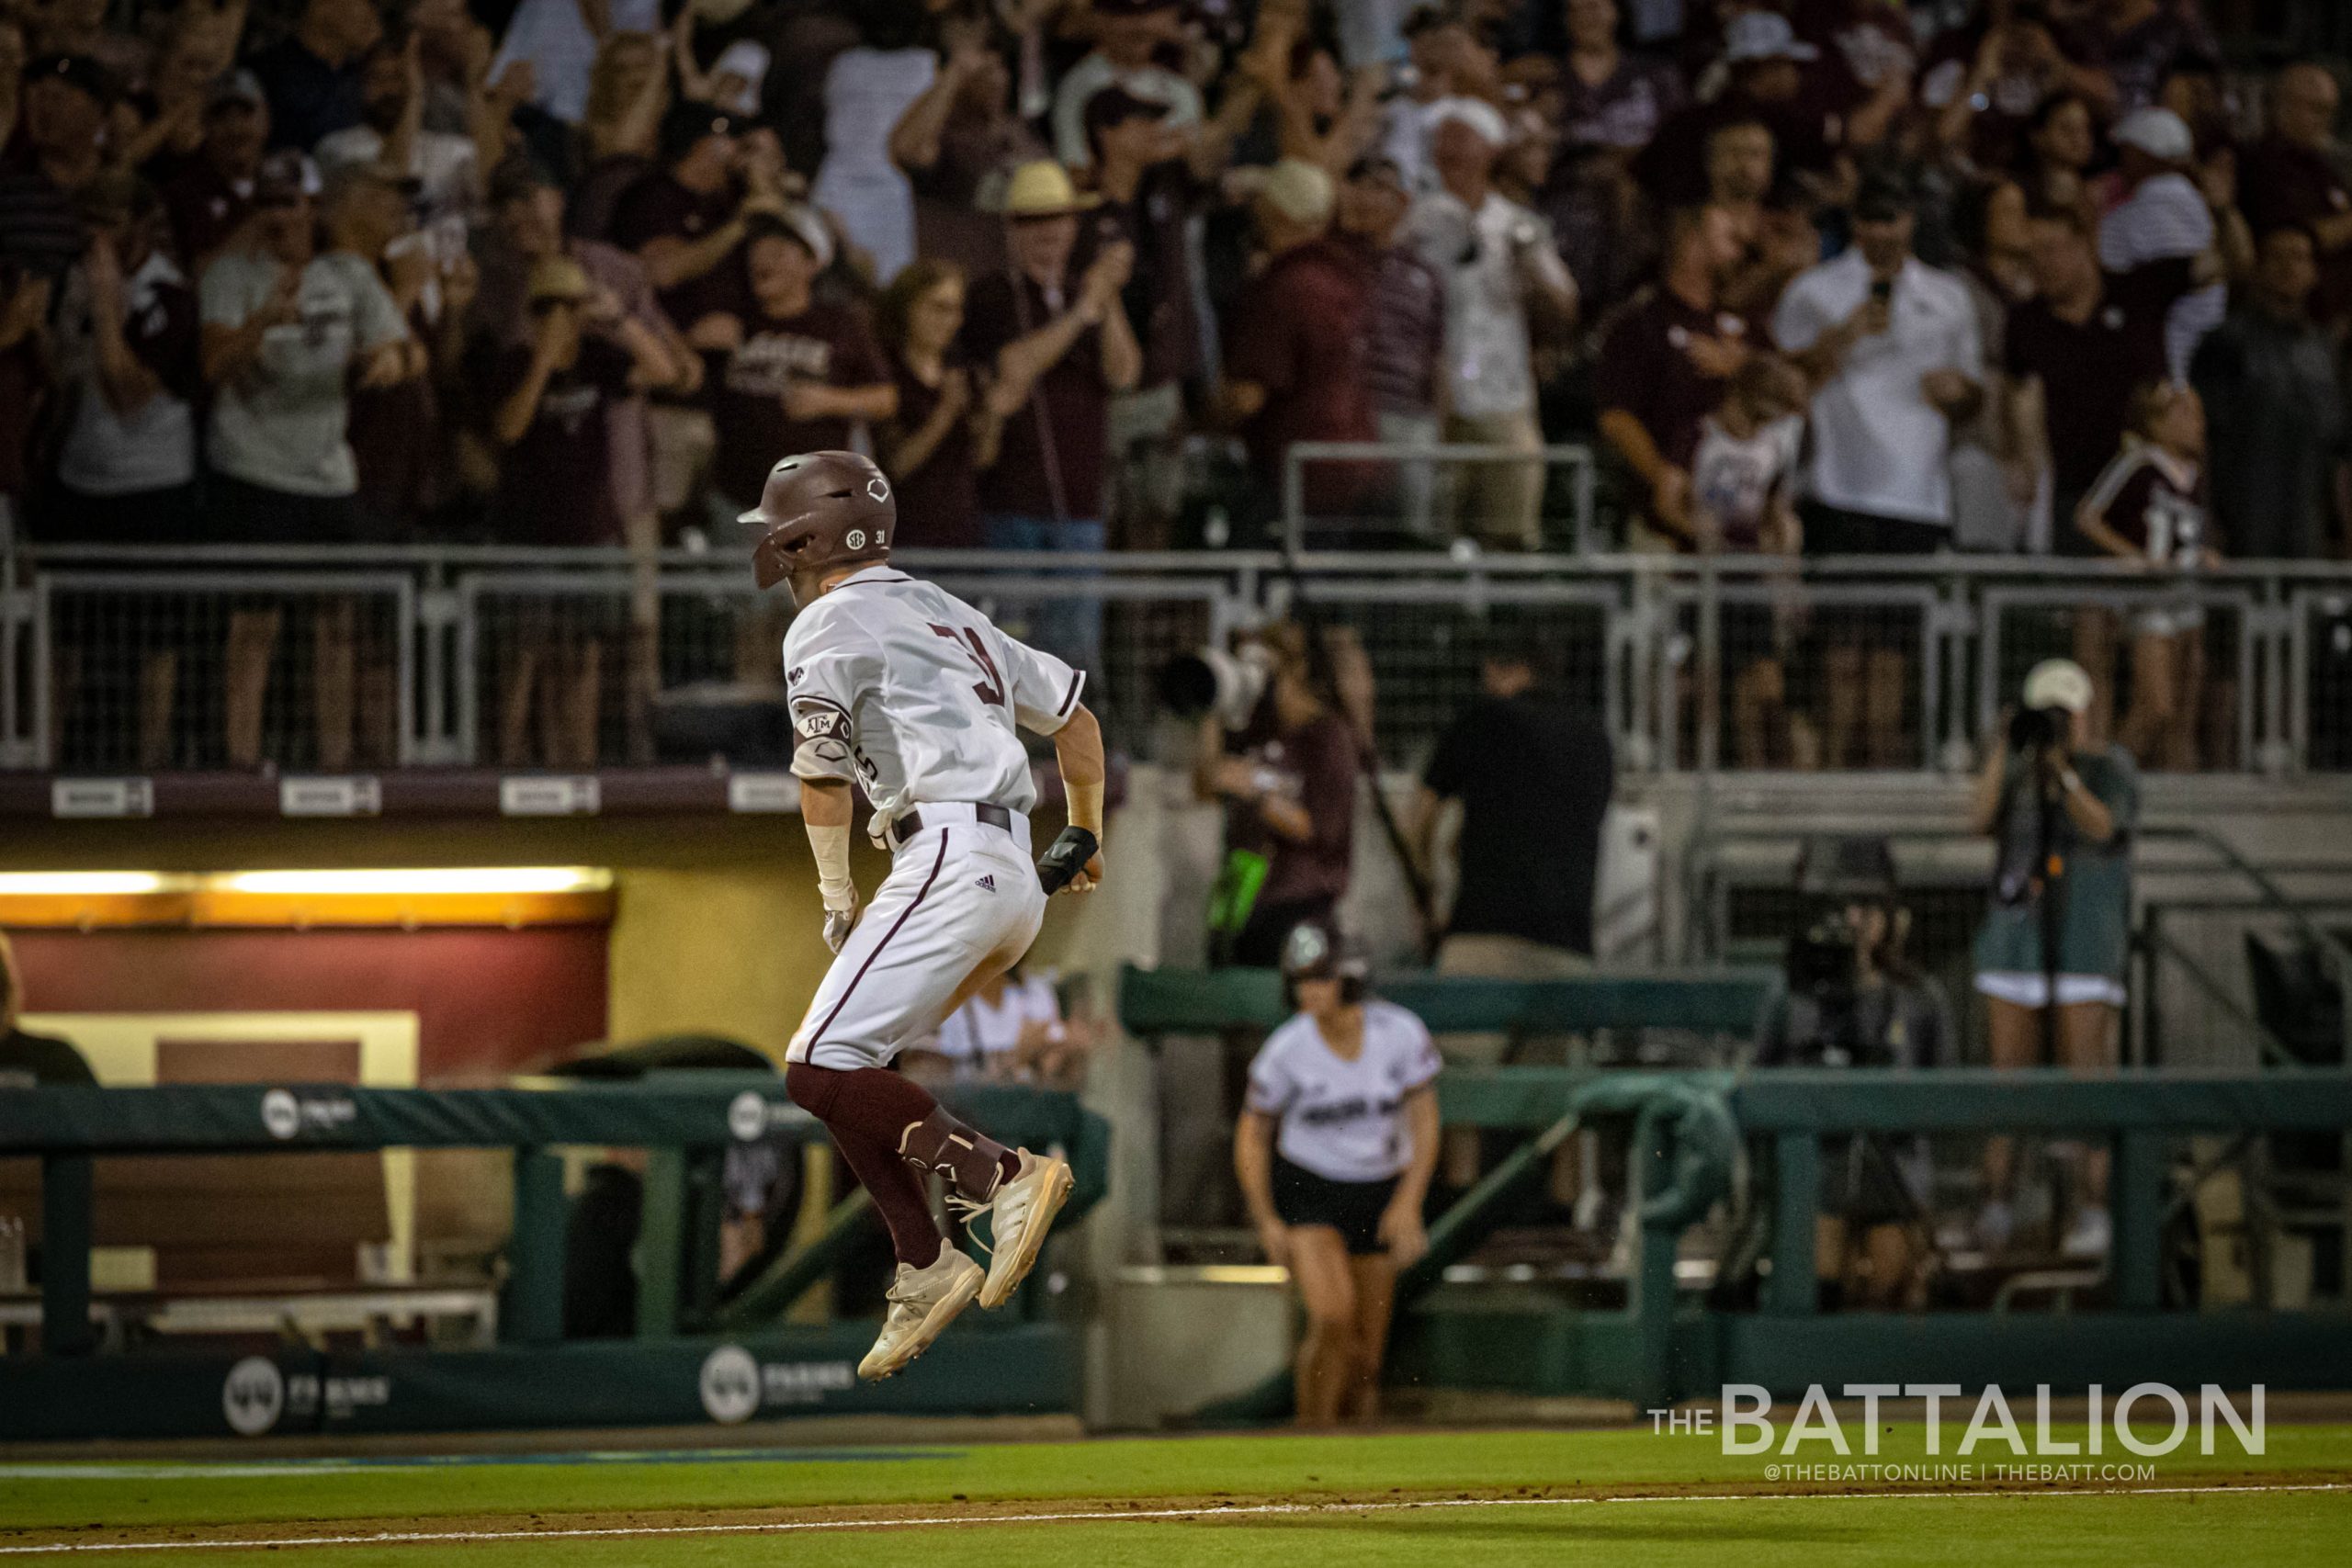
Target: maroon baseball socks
(875, 1114)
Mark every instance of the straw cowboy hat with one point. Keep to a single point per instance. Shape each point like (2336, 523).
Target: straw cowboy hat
(1042, 190)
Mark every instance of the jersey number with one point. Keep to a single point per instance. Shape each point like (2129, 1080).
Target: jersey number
(992, 686)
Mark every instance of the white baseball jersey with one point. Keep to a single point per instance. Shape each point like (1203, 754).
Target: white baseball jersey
(899, 685)
(911, 692)
(1344, 1121)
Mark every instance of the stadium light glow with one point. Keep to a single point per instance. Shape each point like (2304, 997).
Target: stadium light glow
(508, 896)
(425, 881)
(87, 883)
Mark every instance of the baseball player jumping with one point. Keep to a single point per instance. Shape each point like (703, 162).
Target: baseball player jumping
(912, 693)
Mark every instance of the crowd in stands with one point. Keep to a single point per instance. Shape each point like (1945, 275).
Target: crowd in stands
(1828, 275)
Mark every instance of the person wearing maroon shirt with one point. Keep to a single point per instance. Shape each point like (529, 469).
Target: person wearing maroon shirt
(1664, 363)
(1294, 350)
(1610, 98)
(930, 448)
(1403, 330)
(1149, 197)
(2073, 354)
(2135, 43)
(212, 193)
(526, 210)
(2289, 179)
(685, 221)
(549, 399)
(793, 375)
(1611, 103)
(1057, 346)
(1287, 780)
(1770, 80)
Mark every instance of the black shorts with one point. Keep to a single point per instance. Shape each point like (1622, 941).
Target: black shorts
(238, 512)
(1352, 1208)
(1834, 531)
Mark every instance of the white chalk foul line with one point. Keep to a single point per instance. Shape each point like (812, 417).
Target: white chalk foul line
(1251, 1510)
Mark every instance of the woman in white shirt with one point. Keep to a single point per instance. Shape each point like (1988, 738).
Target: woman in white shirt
(866, 90)
(1013, 1031)
(1334, 1151)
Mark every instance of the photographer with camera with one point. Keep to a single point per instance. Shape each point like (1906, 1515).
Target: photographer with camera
(1855, 999)
(1281, 752)
(2050, 957)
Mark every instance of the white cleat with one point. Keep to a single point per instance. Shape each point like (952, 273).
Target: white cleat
(922, 1303)
(1020, 1213)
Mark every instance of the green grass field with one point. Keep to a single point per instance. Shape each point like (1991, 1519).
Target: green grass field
(1422, 1498)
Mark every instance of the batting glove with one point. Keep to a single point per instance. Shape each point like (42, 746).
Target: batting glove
(1065, 858)
(839, 922)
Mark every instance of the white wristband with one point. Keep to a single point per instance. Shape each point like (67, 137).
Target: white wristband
(831, 846)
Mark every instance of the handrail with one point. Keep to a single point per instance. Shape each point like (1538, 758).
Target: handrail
(1415, 564)
(668, 1114)
(2272, 1049)
(1949, 614)
(1179, 563)
(2270, 897)
(2275, 896)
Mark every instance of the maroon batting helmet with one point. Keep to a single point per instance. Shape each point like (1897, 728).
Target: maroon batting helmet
(818, 509)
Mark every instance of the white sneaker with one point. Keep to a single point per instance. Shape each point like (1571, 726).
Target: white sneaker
(2089, 1235)
(1020, 1213)
(922, 1303)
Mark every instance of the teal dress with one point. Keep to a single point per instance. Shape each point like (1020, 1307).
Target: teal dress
(2095, 927)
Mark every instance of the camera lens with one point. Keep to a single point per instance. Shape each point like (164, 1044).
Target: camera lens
(1187, 685)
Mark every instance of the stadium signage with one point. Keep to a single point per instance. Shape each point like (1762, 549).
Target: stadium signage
(751, 1113)
(1744, 1418)
(285, 1113)
(735, 1385)
(573, 796)
(762, 793)
(102, 797)
(330, 795)
(257, 1394)
(252, 1396)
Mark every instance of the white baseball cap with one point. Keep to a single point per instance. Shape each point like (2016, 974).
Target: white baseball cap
(2058, 683)
(1764, 35)
(746, 58)
(2160, 133)
(1477, 113)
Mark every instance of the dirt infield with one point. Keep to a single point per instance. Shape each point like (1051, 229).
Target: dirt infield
(958, 1512)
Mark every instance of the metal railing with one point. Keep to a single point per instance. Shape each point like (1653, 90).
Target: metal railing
(133, 661)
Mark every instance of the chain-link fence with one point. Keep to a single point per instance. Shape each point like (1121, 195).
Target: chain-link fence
(113, 662)
(157, 670)
(1779, 673)
(1431, 494)
(2174, 676)
(1426, 641)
